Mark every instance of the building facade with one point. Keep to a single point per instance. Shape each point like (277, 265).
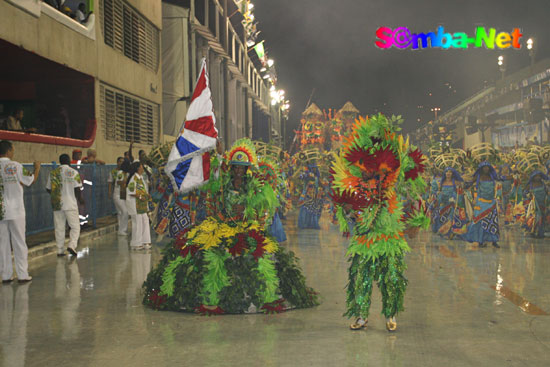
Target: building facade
(514, 111)
(96, 83)
(212, 29)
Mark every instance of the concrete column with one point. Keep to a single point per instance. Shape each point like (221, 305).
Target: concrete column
(225, 81)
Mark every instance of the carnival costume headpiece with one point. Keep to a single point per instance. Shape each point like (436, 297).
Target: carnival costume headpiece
(492, 171)
(456, 175)
(243, 153)
(269, 170)
(504, 165)
(534, 174)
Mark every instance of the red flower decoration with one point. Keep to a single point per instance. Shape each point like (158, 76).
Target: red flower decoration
(385, 158)
(362, 157)
(357, 200)
(204, 310)
(381, 159)
(274, 307)
(181, 244)
(181, 239)
(189, 250)
(260, 242)
(239, 247)
(413, 173)
(155, 299)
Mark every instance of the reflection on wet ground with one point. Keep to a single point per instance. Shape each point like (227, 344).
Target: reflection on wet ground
(464, 307)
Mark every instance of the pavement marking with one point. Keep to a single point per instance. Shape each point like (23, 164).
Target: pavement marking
(519, 301)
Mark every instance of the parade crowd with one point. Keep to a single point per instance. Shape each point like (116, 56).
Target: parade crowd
(128, 187)
(474, 193)
(224, 253)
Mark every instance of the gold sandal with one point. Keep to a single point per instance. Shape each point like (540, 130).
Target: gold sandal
(357, 325)
(391, 324)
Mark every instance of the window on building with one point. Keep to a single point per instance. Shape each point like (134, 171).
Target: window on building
(129, 32)
(128, 118)
(39, 96)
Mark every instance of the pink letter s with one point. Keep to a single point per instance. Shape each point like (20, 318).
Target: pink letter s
(385, 34)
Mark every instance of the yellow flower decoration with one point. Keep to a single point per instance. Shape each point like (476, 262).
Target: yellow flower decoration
(270, 245)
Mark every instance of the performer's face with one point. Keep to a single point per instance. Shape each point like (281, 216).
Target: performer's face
(485, 170)
(239, 171)
(448, 175)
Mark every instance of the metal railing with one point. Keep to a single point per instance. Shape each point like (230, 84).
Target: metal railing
(97, 203)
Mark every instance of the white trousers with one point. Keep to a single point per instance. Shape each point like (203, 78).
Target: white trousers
(13, 231)
(122, 214)
(140, 230)
(60, 217)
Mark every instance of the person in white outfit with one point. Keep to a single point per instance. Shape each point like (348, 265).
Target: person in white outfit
(137, 199)
(12, 214)
(117, 186)
(64, 185)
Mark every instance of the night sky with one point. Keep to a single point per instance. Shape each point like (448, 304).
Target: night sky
(329, 45)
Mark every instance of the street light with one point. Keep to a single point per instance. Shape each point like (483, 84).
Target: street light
(502, 65)
(270, 62)
(531, 48)
(435, 110)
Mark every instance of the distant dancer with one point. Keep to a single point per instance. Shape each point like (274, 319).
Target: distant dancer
(484, 226)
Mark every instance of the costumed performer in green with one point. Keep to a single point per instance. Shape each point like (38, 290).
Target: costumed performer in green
(375, 173)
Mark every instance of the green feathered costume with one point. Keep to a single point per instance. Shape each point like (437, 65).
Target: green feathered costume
(229, 262)
(375, 176)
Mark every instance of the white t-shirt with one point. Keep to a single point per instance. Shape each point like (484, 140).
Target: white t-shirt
(135, 186)
(113, 178)
(61, 182)
(80, 16)
(12, 176)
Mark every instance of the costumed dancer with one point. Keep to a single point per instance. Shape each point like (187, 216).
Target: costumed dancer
(372, 170)
(271, 174)
(311, 200)
(449, 214)
(484, 225)
(229, 263)
(173, 212)
(537, 192)
(509, 193)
